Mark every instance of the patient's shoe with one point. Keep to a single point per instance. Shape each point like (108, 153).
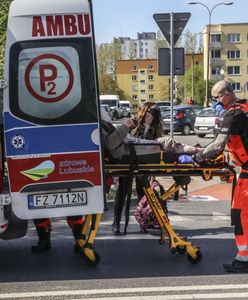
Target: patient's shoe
(236, 267)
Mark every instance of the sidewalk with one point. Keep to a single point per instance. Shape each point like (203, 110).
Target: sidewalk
(213, 189)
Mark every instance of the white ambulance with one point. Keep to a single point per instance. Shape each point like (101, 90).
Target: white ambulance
(51, 117)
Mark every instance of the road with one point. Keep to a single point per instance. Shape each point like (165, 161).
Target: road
(132, 266)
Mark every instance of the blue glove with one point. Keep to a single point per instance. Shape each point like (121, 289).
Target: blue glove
(185, 159)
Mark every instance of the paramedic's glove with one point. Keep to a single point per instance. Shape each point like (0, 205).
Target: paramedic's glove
(185, 159)
(128, 123)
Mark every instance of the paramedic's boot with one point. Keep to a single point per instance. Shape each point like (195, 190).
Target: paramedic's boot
(78, 236)
(236, 267)
(44, 242)
(116, 225)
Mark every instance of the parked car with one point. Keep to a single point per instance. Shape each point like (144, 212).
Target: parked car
(219, 122)
(204, 122)
(183, 119)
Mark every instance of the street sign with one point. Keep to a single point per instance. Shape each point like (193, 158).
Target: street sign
(180, 21)
(164, 61)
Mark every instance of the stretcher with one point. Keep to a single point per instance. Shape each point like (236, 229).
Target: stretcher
(181, 173)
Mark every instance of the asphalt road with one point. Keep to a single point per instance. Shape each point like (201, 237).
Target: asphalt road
(132, 266)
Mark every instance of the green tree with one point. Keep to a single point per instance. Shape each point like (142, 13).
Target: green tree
(184, 84)
(107, 55)
(4, 8)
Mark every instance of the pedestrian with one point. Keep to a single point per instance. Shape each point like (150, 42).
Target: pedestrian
(44, 228)
(148, 126)
(234, 134)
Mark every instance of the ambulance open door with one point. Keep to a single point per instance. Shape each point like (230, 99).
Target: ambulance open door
(51, 114)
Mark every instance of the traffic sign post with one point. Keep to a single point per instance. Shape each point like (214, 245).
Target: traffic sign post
(172, 25)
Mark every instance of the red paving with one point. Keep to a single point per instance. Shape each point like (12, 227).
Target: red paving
(222, 191)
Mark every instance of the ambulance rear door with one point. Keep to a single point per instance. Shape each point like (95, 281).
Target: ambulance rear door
(51, 114)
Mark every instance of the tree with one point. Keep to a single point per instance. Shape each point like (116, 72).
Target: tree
(184, 85)
(107, 55)
(4, 8)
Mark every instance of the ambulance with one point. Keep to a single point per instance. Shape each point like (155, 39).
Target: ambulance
(52, 154)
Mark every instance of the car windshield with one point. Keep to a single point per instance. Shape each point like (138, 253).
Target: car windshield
(207, 113)
(165, 114)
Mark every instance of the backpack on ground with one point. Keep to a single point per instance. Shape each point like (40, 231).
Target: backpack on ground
(143, 212)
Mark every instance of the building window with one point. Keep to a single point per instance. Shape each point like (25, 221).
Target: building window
(135, 97)
(142, 91)
(216, 70)
(135, 106)
(215, 53)
(142, 81)
(236, 86)
(233, 70)
(134, 68)
(134, 78)
(142, 72)
(134, 88)
(151, 77)
(233, 54)
(215, 38)
(233, 37)
(143, 101)
(151, 87)
(151, 97)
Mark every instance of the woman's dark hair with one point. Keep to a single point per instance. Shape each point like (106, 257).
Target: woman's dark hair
(156, 122)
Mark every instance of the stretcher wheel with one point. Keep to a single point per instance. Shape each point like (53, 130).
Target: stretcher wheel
(178, 249)
(90, 261)
(195, 260)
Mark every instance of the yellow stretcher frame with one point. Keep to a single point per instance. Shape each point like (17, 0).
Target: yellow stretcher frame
(217, 167)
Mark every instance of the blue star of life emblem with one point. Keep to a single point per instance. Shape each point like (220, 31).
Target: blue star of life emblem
(17, 142)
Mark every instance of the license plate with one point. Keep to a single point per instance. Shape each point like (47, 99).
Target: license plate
(57, 200)
(203, 128)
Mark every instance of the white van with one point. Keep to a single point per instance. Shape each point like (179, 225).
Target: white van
(125, 104)
(113, 101)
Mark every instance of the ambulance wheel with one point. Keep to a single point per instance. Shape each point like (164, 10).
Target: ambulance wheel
(195, 260)
(91, 262)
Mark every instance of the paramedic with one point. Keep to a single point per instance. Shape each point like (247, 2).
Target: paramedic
(44, 228)
(234, 134)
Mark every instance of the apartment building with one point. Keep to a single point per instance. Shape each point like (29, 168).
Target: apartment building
(228, 55)
(144, 47)
(140, 80)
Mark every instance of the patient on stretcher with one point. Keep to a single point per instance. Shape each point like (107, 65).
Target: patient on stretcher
(116, 143)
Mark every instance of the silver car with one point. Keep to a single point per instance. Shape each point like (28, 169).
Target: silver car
(204, 122)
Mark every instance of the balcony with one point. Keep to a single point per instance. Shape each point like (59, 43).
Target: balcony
(216, 61)
(215, 45)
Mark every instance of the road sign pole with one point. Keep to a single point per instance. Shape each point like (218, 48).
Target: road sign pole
(171, 71)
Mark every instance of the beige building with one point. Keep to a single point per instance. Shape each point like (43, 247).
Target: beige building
(228, 55)
(139, 79)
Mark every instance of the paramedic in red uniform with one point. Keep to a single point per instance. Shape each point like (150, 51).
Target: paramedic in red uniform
(234, 134)
(43, 229)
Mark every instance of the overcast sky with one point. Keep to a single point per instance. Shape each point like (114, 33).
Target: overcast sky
(114, 18)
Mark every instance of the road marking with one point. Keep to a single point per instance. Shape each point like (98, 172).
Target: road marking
(131, 292)
(179, 297)
(218, 216)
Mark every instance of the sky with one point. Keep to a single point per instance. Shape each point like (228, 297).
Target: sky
(124, 18)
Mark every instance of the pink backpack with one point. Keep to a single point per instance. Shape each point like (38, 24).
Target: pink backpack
(143, 212)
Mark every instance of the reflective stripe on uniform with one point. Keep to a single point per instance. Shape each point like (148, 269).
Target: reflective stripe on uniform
(242, 258)
(243, 248)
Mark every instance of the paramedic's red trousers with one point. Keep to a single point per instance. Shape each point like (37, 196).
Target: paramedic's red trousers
(239, 216)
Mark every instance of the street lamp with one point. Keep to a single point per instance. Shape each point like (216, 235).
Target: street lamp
(208, 39)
